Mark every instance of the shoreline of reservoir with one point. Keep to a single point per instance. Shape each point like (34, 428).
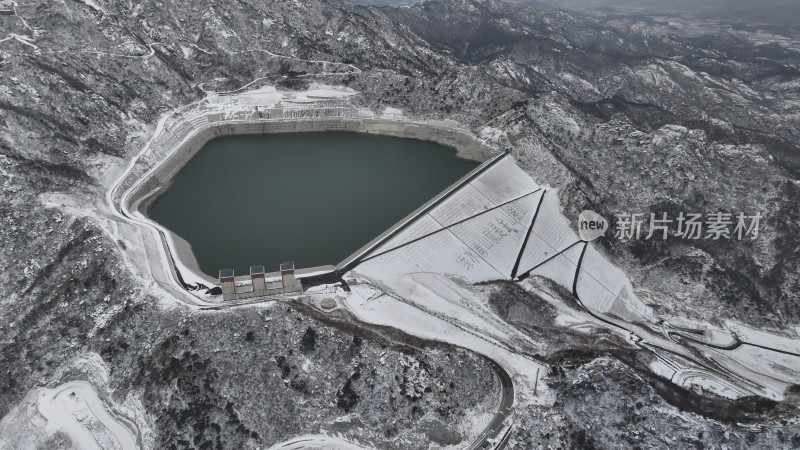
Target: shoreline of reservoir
(188, 130)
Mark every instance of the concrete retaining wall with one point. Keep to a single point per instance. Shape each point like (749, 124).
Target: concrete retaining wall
(467, 146)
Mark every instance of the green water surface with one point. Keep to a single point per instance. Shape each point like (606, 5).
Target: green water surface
(312, 198)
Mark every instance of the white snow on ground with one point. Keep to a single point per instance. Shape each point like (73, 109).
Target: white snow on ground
(707, 333)
(504, 181)
(81, 409)
(21, 430)
(439, 253)
(784, 367)
(561, 269)
(322, 289)
(551, 233)
(475, 420)
(423, 226)
(465, 329)
(665, 364)
(761, 379)
(683, 322)
(265, 96)
(719, 336)
(392, 113)
(93, 4)
(498, 235)
(704, 381)
(491, 134)
(444, 297)
(319, 92)
(75, 409)
(758, 337)
(317, 442)
(605, 288)
(659, 367)
(760, 371)
(464, 203)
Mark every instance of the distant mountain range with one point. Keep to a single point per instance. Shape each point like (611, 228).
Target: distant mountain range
(772, 12)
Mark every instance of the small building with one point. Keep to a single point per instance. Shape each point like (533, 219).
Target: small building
(290, 283)
(287, 271)
(228, 282)
(257, 277)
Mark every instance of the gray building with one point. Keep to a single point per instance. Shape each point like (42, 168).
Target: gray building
(259, 283)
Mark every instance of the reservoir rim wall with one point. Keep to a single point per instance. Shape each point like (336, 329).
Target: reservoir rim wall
(146, 189)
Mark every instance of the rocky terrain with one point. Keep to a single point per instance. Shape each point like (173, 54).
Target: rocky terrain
(621, 118)
(237, 379)
(673, 122)
(588, 414)
(605, 397)
(781, 13)
(283, 373)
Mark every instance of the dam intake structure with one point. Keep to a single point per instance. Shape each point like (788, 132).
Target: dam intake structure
(257, 285)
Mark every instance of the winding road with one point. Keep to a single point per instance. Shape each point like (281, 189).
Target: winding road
(488, 439)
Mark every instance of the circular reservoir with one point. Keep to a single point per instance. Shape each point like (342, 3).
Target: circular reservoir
(312, 198)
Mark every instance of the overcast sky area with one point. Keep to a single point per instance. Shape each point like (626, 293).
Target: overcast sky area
(773, 12)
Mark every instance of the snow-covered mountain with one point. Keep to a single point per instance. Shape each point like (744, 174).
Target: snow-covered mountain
(622, 114)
